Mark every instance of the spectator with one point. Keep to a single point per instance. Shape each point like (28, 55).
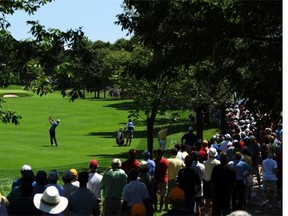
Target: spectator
(74, 177)
(175, 165)
(183, 151)
(83, 201)
(161, 177)
(190, 182)
(94, 184)
(16, 193)
(50, 202)
(177, 198)
(203, 151)
(239, 213)
(138, 209)
(68, 187)
(41, 183)
(3, 205)
(112, 185)
(131, 162)
(23, 170)
(248, 180)
(269, 171)
(189, 139)
(22, 204)
(150, 163)
(239, 191)
(279, 175)
(207, 187)
(53, 177)
(129, 196)
(150, 183)
(227, 141)
(223, 180)
(256, 148)
(199, 168)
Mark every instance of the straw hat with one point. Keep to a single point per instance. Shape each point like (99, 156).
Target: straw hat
(50, 201)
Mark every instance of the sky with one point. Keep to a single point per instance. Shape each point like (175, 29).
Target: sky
(96, 17)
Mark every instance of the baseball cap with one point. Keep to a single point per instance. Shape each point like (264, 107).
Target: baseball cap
(67, 175)
(146, 153)
(73, 172)
(26, 167)
(116, 161)
(53, 175)
(132, 152)
(94, 163)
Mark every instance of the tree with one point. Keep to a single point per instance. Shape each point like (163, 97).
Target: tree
(213, 34)
(37, 61)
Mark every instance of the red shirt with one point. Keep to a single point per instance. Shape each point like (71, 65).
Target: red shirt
(130, 164)
(161, 170)
(202, 155)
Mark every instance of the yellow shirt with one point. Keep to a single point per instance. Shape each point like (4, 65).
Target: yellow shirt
(162, 134)
(175, 164)
(209, 166)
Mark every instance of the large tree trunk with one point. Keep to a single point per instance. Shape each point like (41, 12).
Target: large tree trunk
(199, 122)
(150, 130)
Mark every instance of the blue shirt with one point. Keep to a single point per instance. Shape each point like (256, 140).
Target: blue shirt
(151, 167)
(240, 167)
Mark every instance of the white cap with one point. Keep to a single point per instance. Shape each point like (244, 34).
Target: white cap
(26, 167)
(117, 161)
(190, 128)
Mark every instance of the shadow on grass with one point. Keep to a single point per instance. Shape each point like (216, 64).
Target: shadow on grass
(126, 105)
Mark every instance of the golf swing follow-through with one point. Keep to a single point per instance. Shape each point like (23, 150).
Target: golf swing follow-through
(52, 130)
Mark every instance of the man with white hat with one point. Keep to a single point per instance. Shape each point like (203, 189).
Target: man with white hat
(50, 202)
(209, 166)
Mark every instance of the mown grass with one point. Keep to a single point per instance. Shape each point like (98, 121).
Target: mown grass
(87, 130)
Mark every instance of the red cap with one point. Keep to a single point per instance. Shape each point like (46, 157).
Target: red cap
(132, 152)
(94, 163)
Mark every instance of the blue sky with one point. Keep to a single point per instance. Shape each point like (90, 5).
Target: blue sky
(96, 17)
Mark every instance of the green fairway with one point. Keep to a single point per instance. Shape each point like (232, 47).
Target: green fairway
(87, 130)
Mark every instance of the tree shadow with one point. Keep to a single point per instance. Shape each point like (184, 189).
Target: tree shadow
(122, 106)
(138, 134)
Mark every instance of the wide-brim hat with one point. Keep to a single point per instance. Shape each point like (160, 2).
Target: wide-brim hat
(50, 201)
(212, 152)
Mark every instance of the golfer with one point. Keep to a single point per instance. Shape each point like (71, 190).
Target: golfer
(52, 130)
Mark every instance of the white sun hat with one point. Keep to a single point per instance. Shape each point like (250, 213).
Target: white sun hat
(50, 201)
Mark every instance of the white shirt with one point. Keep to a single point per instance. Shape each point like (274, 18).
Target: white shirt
(93, 184)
